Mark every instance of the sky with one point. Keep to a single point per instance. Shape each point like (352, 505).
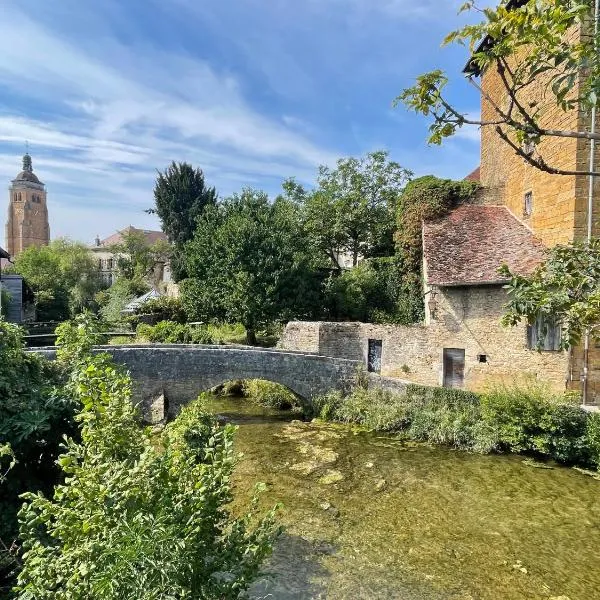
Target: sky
(251, 91)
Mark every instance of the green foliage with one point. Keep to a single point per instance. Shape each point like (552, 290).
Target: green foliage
(592, 438)
(524, 45)
(250, 263)
(114, 299)
(531, 420)
(34, 415)
(423, 199)
(521, 420)
(180, 197)
(63, 276)
(136, 259)
(352, 208)
(164, 308)
(169, 332)
(227, 333)
(564, 290)
(269, 394)
(139, 517)
(5, 300)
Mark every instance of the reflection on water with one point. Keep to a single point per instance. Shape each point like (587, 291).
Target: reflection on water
(367, 516)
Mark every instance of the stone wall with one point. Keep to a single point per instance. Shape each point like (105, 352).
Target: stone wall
(467, 318)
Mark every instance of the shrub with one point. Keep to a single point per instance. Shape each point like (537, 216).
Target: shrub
(443, 416)
(269, 394)
(163, 308)
(530, 419)
(139, 517)
(34, 415)
(227, 333)
(168, 332)
(520, 420)
(592, 438)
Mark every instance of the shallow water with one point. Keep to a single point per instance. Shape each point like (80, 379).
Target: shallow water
(367, 516)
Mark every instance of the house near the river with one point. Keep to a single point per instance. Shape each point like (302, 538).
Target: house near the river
(519, 211)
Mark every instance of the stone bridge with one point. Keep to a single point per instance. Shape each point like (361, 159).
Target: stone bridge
(167, 376)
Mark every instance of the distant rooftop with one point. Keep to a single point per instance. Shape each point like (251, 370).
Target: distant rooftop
(467, 246)
(117, 238)
(474, 175)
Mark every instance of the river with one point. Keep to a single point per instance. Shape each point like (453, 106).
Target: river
(369, 516)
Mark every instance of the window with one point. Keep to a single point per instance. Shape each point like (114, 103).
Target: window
(454, 367)
(109, 264)
(528, 204)
(374, 356)
(543, 335)
(482, 358)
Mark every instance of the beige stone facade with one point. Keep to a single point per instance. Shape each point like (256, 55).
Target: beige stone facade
(466, 318)
(27, 223)
(559, 203)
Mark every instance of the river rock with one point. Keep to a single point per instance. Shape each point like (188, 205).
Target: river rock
(305, 468)
(380, 485)
(331, 476)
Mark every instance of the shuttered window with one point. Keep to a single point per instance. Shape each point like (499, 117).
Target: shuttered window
(543, 335)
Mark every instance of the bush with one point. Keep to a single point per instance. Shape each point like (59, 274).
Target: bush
(521, 420)
(164, 308)
(592, 438)
(530, 419)
(139, 517)
(168, 332)
(269, 394)
(34, 415)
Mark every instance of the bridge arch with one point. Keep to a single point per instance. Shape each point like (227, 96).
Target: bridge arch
(165, 377)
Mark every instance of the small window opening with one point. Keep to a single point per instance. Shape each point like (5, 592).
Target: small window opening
(482, 358)
(528, 204)
(544, 335)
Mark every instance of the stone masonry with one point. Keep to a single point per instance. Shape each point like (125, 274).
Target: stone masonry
(467, 318)
(165, 377)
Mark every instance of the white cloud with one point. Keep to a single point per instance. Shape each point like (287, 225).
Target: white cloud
(119, 116)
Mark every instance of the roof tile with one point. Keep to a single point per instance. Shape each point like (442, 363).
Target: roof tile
(467, 246)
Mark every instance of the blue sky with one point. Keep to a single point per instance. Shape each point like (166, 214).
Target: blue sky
(251, 91)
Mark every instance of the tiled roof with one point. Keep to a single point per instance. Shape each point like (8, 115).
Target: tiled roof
(473, 176)
(467, 246)
(117, 238)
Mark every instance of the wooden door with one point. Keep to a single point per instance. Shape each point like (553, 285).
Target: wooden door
(374, 356)
(454, 367)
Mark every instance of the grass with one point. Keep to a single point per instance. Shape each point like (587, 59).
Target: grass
(528, 420)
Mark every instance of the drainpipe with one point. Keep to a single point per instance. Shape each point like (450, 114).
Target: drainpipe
(586, 343)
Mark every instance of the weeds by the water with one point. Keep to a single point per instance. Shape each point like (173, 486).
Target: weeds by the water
(503, 419)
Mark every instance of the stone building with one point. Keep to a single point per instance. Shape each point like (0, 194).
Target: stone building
(107, 252)
(27, 223)
(520, 211)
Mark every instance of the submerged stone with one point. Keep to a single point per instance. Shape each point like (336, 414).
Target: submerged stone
(331, 476)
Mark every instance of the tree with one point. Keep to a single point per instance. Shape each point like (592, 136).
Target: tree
(63, 276)
(249, 262)
(352, 208)
(138, 516)
(564, 291)
(523, 43)
(180, 196)
(138, 260)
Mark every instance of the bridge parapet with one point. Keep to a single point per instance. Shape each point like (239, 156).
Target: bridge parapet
(167, 376)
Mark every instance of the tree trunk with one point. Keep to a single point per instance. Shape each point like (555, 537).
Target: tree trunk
(250, 337)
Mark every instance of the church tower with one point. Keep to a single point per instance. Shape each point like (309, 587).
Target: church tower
(27, 223)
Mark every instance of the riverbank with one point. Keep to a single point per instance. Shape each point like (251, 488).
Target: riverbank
(371, 516)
